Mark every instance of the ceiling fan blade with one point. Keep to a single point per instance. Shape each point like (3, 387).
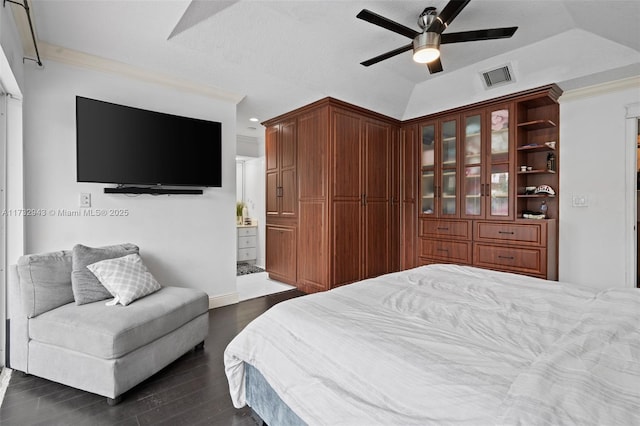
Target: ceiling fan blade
(388, 55)
(434, 66)
(381, 21)
(450, 11)
(490, 34)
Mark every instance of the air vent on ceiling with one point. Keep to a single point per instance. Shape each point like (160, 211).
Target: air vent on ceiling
(498, 76)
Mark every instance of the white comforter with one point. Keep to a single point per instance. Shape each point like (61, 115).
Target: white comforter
(445, 344)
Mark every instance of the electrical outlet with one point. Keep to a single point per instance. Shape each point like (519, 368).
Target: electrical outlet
(85, 199)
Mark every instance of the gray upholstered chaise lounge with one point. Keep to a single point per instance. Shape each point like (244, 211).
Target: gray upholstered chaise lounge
(97, 348)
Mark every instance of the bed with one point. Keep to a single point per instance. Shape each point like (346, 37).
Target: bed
(445, 345)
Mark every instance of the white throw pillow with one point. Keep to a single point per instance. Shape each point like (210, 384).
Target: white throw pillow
(126, 278)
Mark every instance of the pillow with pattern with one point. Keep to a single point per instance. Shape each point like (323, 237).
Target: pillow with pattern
(126, 278)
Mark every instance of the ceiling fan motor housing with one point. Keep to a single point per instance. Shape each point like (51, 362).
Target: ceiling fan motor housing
(426, 17)
(426, 43)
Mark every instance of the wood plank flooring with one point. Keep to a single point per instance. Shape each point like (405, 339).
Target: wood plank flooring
(191, 391)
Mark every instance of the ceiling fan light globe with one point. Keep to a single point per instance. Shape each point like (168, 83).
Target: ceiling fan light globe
(426, 47)
(426, 55)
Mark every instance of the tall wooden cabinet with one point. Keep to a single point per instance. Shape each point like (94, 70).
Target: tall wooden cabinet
(478, 169)
(281, 200)
(347, 203)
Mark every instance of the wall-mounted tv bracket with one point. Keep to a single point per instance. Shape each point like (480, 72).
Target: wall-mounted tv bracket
(25, 6)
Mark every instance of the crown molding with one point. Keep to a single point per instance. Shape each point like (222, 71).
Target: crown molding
(601, 89)
(80, 59)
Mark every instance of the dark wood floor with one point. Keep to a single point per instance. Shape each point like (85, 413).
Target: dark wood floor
(191, 391)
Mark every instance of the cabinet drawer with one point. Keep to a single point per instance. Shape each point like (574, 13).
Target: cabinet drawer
(526, 260)
(245, 232)
(534, 234)
(447, 251)
(244, 242)
(246, 254)
(457, 229)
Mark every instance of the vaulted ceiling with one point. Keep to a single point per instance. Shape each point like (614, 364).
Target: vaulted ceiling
(281, 55)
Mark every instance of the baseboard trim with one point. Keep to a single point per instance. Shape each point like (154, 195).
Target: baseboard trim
(223, 300)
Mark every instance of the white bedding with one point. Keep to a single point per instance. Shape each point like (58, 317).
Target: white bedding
(446, 344)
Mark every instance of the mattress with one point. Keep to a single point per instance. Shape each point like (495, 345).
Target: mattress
(447, 344)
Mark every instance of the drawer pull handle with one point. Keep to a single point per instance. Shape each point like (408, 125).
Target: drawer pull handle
(506, 232)
(445, 250)
(442, 229)
(506, 257)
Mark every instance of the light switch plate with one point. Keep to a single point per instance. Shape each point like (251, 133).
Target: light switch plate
(580, 200)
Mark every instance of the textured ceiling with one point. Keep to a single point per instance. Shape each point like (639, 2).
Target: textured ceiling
(284, 54)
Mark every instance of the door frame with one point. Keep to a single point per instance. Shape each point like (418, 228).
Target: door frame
(631, 215)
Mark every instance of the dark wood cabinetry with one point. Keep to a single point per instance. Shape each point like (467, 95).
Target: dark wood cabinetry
(347, 219)
(281, 253)
(281, 199)
(538, 121)
(280, 147)
(479, 167)
(352, 194)
(408, 152)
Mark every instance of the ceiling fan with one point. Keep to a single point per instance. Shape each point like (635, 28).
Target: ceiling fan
(426, 44)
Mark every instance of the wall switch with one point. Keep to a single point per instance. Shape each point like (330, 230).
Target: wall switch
(580, 201)
(85, 199)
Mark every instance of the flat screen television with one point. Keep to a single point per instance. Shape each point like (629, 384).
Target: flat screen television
(131, 146)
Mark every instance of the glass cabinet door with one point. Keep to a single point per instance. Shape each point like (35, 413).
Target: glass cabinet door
(499, 184)
(428, 182)
(499, 190)
(448, 179)
(472, 182)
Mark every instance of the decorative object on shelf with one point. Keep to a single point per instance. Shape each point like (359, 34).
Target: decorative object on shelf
(545, 189)
(533, 215)
(544, 208)
(551, 144)
(523, 168)
(530, 190)
(551, 162)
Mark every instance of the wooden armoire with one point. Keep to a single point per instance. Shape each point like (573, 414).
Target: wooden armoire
(332, 214)
(352, 194)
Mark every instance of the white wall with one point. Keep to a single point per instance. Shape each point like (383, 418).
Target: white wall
(592, 161)
(185, 240)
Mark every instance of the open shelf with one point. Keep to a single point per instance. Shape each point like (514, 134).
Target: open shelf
(535, 148)
(537, 124)
(534, 172)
